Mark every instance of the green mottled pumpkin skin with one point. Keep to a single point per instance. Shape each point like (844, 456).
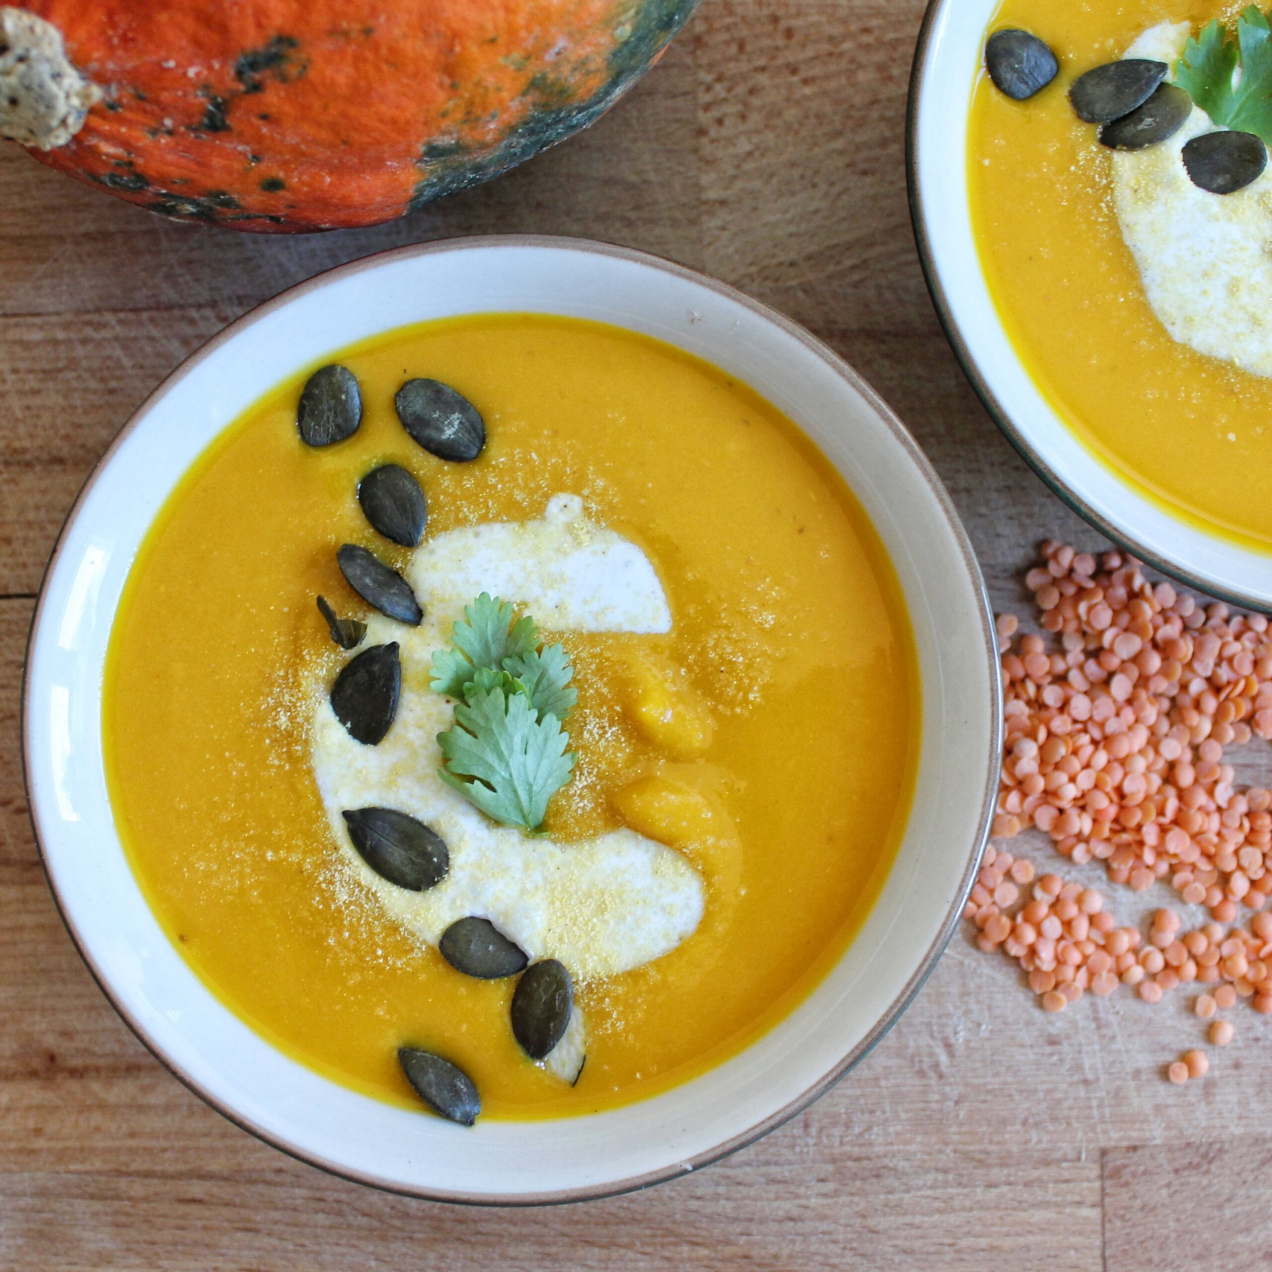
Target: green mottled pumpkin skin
(283, 116)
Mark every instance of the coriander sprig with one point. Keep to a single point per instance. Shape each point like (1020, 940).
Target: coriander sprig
(507, 752)
(1206, 71)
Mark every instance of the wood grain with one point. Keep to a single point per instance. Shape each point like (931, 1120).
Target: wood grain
(1155, 1197)
(767, 149)
(855, 1210)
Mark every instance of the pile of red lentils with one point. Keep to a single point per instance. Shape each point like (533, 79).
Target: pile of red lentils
(1114, 747)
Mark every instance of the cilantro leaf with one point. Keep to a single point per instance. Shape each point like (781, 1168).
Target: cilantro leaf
(451, 672)
(487, 679)
(485, 639)
(1206, 71)
(546, 675)
(517, 761)
(1252, 99)
(507, 737)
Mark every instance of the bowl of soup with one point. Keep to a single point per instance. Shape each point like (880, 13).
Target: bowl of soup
(1092, 225)
(511, 720)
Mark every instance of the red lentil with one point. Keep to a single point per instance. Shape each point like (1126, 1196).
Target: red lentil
(1114, 748)
(1151, 733)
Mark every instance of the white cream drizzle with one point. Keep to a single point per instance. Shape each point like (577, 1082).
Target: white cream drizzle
(601, 907)
(1205, 259)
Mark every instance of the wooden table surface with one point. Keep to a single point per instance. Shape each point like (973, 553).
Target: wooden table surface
(765, 149)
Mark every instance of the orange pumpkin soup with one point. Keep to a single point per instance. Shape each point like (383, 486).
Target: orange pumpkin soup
(780, 706)
(1188, 429)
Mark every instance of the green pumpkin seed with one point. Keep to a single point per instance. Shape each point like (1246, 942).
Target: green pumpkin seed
(1019, 63)
(378, 584)
(398, 847)
(477, 948)
(1160, 117)
(1115, 89)
(441, 419)
(346, 632)
(330, 407)
(541, 1006)
(1224, 162)
(443, 1086)
(365, 695)
(394, 504)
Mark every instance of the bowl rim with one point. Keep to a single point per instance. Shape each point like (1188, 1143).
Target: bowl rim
(920, 70)
(959, 538)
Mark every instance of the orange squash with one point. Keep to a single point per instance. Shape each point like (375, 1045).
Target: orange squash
(293, 115)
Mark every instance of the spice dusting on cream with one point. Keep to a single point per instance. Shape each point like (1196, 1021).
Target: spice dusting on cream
(570, 573)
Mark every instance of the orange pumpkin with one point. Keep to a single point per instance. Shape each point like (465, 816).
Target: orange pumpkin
(291, 115)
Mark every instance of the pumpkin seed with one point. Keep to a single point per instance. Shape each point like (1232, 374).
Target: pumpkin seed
(365, 695)
(441, 419)
(443, 1086)
(541, 1006)
(346, 632)
(1224, 162)
(330, 406)
(477, 948)
(378, 584)
(394, 504)
(398, 847)
(1020, 64)
(1161, 116)
(1115, 89)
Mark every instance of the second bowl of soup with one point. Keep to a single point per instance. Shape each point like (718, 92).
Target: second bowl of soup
(1090, 195)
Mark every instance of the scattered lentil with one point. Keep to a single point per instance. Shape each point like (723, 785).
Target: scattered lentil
(1114, 748)
(1105, 740)
(1197, 1063)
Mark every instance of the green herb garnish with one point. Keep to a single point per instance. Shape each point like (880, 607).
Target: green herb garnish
(506, 753)
(1206, 71)
(545, 674)
(483, 638)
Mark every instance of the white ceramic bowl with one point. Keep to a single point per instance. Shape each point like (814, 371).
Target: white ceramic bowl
(947, 63)
(233, 1068)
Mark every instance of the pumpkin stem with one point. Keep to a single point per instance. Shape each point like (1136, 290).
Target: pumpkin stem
(43, 98)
